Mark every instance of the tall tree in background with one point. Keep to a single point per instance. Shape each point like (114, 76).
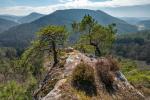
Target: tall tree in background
(94, 34)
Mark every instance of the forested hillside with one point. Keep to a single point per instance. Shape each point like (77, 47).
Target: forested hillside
(6, 24)
(11, 17)
(29, 18)
(131, 20)
(134, 45)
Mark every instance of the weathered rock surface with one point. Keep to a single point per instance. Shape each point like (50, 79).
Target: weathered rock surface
(62, 89)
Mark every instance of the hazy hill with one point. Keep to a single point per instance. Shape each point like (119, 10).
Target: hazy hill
(22, 19)
(11, 17)
(23, 34)
(6, 24)
(145, 24)
(29, 18)
(131, 20)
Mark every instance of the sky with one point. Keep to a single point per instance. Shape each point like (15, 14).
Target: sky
(118, 8)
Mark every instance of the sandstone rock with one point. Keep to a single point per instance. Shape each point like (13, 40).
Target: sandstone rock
(63, 88)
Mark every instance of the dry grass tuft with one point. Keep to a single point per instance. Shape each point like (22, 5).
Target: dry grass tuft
(114, 65)
(105, 68)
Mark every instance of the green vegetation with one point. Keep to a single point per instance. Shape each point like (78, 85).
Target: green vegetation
(83, 79)
(51, 38)
(134, 75)
(18, 81)
(94, 35)
(137, 77)
(12, 91)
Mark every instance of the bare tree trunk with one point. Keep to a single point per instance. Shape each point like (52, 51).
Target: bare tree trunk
(97, 51)
(54, 53)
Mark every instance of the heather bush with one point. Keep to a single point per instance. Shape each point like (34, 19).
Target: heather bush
(83, 79)
(105, 69)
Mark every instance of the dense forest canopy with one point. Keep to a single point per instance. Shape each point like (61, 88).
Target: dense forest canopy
(135, 46)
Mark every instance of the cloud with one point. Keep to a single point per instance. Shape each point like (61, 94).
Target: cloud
(67, 4)
(64, 1)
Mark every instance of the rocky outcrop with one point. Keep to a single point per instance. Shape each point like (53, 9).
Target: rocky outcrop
(57, 85)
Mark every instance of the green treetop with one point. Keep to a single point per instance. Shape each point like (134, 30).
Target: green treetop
(53, 38)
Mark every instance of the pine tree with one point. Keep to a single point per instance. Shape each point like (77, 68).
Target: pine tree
(94, 34)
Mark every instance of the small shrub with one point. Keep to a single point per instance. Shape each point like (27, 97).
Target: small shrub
(83, 79)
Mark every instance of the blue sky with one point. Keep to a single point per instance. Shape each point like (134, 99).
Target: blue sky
(10, 3)
(121, 8)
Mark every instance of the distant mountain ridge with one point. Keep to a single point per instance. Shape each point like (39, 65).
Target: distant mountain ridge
(134, 20)
(31, 17)
(6, 24)
(23, 19)
(131, 20)
(21, 35)
(145, 24)
(11, 17)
